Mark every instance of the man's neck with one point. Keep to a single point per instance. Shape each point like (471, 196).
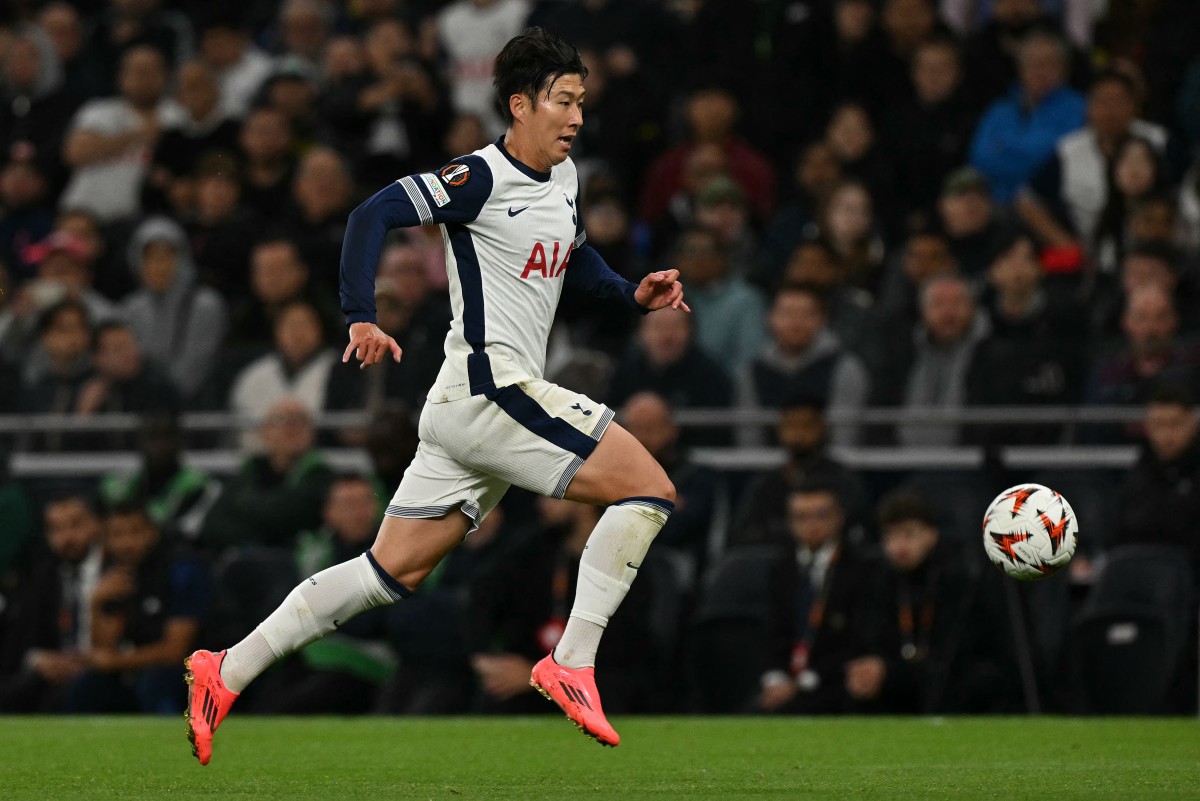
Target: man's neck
(522, 150)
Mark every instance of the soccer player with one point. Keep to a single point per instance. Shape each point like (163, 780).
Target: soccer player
(513, 233)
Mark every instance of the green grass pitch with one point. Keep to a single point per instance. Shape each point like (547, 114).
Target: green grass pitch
(545, 758)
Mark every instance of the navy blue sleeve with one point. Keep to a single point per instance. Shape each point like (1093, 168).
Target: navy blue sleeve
(455, 194)
(587, 271)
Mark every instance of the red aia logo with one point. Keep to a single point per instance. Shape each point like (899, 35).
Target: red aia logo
(537, 261)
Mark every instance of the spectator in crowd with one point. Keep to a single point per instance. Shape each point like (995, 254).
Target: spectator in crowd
(848, 308)
(276, 494)
(64, 28)
(106, 271)
(471, 33)
(35, 106)
(804, 357)
(817, 174)
(1065, 198)
(1035, 353)
(941, 622)
(292, 90)
(343, 673)
(925, 255)
(416, 319)
(1146, 264)
(304, 28)
(180, 324)
(299, 367)
(388, 101)
(710, 114)
(993, 50)
(802, 432)
(1159, 503)
(147, 608)
(519, 606)
(687, 534)
(176, 496)
(851, 136)
(1151, 352)
(267, 142)
(239, 66)
(64, 341)
(322, 199)
(1017, 134)
(971, 221)
(122, 380)
(109, 145)
(391, 442)
(721, 208)
(729, 312)
(1137, 173)
(665, 359)
(927, 367)
(48, 626)
(221, 229)
(170, 185)
(26, 213)
(823, 620)
(855, 56)
(938, 104)
(279, 276)
(848, 223)
(127, 25)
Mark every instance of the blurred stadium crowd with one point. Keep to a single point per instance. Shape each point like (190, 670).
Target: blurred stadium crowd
(901, 204)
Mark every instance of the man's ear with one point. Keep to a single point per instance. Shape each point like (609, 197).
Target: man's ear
(518, 104)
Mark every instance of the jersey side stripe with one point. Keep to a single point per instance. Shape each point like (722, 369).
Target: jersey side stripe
(418, 199)
(470, 282)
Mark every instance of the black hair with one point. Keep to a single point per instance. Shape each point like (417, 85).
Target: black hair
(817, 483)
(814, 291)
(72, 495)
(1113, 76)
(1163, 252)
(530, 64)
(1172, 395)
(902, 506)
(108, 325)
(347, 477)
(128, 508)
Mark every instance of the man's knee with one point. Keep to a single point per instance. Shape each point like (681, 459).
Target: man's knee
(666, 490)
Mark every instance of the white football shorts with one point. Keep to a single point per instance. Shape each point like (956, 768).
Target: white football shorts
(534, 434)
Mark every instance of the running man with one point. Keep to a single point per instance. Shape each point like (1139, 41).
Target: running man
(513, 233)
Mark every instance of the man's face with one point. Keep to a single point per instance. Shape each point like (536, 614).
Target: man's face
(1170, 428)
(698, 258)
(22, 65)
(351, 511)
(812, 264)
(648, 418)
(1016, 270)
(158, 266)
(801, 429)
(907, 544)
(71, 529)
(118, 356)
(298, 334)
(925, 257)
(322, 184)
(947, 311)
(66, 338)
(287, 432)
(711, 115)
(665, 337)
(1111, 109)
(1140, 270)
(795, 320)
(1149, 320)
(197, 92)
(814, 518)
(129, 538)
(935, 73)
(965, 213)
(1041, 68)
(62, 25)
(276, 272)
(265, 135)
(143, 77)
(553, 120)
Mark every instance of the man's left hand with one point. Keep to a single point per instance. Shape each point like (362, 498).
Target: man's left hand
(660, 290)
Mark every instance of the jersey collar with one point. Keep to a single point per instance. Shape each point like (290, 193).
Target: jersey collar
(525, 169)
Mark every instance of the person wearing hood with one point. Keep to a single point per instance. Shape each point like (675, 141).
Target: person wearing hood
(928, 369)
(803, 355)
(179, 324)
(34, 106)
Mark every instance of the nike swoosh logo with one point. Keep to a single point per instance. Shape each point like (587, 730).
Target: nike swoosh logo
(632, 565)
(512, 213)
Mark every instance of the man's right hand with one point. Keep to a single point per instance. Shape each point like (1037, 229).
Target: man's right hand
(369, 344)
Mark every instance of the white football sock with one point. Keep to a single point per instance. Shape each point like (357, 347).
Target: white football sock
(316, 607)
(607, 568)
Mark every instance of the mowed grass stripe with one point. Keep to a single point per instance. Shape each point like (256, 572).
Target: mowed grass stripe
(659, 758)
